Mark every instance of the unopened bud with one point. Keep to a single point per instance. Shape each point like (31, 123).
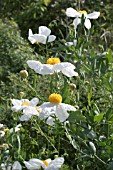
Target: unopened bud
(23, 74)
(22, 94)
(72, 86)
(4, 146)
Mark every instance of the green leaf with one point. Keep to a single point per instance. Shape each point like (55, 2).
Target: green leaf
(99, 117)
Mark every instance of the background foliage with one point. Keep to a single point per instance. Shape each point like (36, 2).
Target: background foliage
(86, 141)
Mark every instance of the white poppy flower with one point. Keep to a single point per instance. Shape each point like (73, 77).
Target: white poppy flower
(42, 37)
(21, 104)
(15, 166)
(2, 133)
(28, 112)
(16, 129)
(70, 12)
(47, 164)
(55, 108)
(53, 65)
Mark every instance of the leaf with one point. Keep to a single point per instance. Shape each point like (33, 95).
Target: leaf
(89, 96)
(77, 115)
(99, 117)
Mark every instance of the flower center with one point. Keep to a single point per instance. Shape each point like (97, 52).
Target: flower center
(55, 98)
(45, 162)
(25, 104)
(53, 61)
(82, 12)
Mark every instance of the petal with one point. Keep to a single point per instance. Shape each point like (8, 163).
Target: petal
(70, 12)
(55, 164)
(69, 107)
(62, 65)
(45, 69)
(76, 22)
(34, 102)
(61, 113)
(32, 165)
(16, 166)
(51, 38)
(50, 121)
(44, 30)
(93, 15)
(25, 117)
(69, 72)
(87, 23)
(34, 64)
(39, 38)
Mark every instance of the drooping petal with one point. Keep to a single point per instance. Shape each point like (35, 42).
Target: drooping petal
(70, 12)
(55, 164)
(30, 37)
(34, 102)
(17, 105)
(61, 112)
(51, 38)
(76, 22)
(16, 166)
(87, 23)
(93, 15)
(50, 121)
(69, 72)
(44, 30)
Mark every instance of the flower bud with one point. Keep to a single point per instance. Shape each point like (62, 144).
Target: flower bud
(72, 86)
(21, 94)
(23, 74)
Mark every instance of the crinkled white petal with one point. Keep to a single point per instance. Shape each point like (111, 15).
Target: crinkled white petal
(17, 104)
(44, 30)
(87, 23)
(61, 113)
(93, 15)
(45, 69)
(31, 165)
(39, 38)
(61, 66)
(34, 64)
(68, 107)
(34, 102)
(50, 121)
(28, 112)
(16, 166)
(55, 164)
(70, 12)
(76, 22)
(51, 38)
(69, 72)
(30, 37)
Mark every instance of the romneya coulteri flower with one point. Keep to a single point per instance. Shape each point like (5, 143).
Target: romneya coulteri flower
(42, 37)
(55, 109)
(19, 105)
(47, 164)
(53, 65)
(70, 12)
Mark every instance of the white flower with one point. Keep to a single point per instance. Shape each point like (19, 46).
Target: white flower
(43, 36)
(54, 108)
(28, 112)
(70, 12)
(15, 166)
(47, 164)
(74, 43)
(22, 104)
(16, 129)
(53, 65)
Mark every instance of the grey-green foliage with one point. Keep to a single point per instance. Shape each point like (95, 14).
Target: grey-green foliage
(14, 50)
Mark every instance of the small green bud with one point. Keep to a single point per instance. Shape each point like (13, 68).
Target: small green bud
(23, 74)
(22, 94)
(72, 86)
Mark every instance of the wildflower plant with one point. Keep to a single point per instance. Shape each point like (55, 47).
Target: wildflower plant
(61, 118)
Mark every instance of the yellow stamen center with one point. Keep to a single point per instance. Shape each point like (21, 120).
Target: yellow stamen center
(6, 130)
(45, 162)
(82, 12)
(25, 104)
(55, 98)
(53, 61)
